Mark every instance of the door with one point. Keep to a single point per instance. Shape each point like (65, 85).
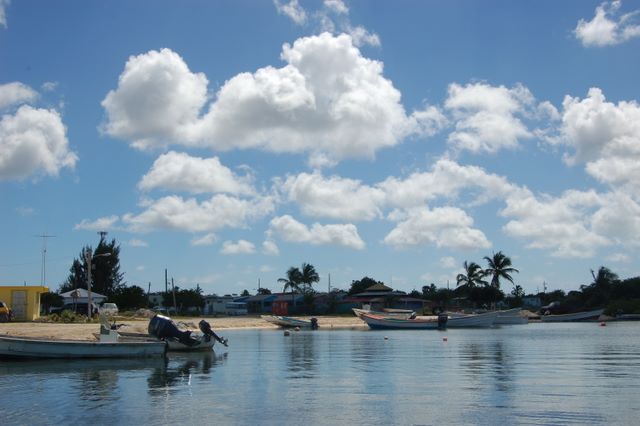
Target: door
(19, 305)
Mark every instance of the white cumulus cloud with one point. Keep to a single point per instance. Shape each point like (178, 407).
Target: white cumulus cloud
(177, 213)
(563, 225)
(33, 142)
(328, 101)
(334, 197)
(238, 247)
(292, 10)
(289, 229)
(608, 27)
(488, 118)
(157, 101)
(16, 93)
(605, 136)
(447, 227)
(204, 240)
(176, 171)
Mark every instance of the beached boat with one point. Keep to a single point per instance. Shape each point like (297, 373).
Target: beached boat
(23, 347)
(577, 316)
(511, 317)
(457, 320)
(385, 322)
(290, 322)
(393, 313)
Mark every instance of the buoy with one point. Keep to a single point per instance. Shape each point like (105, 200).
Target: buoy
(445, 339)
(386, 338)
(286, 332)
(603, 324)
(297, 328)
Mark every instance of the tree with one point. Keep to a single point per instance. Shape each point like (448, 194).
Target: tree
(245, 292)
(499, 267)
(129, 298)
(308, 276)
(598, 293)
(264, 291)
(471, 282)
(50, 299)
(106, 277)
(472, 277)
(292, 282)
(361, 285)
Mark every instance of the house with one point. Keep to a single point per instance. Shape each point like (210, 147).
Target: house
(81, 295)
(260, 303)
(378, 296)
(532, 302)
(216, 305)
(24, 301)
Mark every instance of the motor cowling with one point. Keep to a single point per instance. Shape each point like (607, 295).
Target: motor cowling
(164, 328)
(442, 320)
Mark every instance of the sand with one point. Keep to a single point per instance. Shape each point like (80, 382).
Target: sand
(139, 325)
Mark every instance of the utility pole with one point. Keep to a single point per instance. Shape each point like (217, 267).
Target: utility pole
(329, 289)
(173, 287)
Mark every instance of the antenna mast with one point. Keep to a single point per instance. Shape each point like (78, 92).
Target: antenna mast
(43, 270)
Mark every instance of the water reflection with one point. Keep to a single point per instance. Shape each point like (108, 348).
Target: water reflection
(178, 368)
(82, 367)
(302, 356)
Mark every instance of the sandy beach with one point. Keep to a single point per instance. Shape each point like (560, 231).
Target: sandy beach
(139, 325)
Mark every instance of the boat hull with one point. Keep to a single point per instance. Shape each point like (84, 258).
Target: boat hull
(578, 316)
(390, 314)
(511, 317)
(377, 322)
(287, 322)
(472, 320)
(18, 347)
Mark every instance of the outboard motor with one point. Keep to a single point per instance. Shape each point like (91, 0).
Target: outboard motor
(314, 323)
(163, 328)
(442, 320)
(205, 327)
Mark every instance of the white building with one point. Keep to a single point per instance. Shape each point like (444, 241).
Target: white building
(81, 295)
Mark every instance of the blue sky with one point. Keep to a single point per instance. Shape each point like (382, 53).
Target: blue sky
(229, 140)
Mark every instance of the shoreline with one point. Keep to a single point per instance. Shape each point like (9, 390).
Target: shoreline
(85, 331)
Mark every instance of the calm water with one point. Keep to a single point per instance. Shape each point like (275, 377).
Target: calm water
(532, 374)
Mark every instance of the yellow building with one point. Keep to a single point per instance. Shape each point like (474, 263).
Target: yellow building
(24, 301)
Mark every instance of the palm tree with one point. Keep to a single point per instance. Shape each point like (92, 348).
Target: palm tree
(292, 282)
(308, 276)
(499, 267)
(473, 276)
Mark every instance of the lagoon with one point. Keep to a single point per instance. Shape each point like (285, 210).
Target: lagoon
(576, 373)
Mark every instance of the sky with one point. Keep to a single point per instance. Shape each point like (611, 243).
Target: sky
(227, 141)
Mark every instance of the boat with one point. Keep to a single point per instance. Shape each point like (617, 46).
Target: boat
(456, 320)
(290, 322)
(25, 347)
(392, 313)
(577, 316)
(386, 322)
(178, 338)
(511, 317)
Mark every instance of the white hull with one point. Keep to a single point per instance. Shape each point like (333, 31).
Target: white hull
(472, 320)
(286, 322)
(391, 314)
(578, 316)
(511, 317)
(17, 347)
(388, 323)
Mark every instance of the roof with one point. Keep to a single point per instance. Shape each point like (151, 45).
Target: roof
(81, 292)
(379, 287)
